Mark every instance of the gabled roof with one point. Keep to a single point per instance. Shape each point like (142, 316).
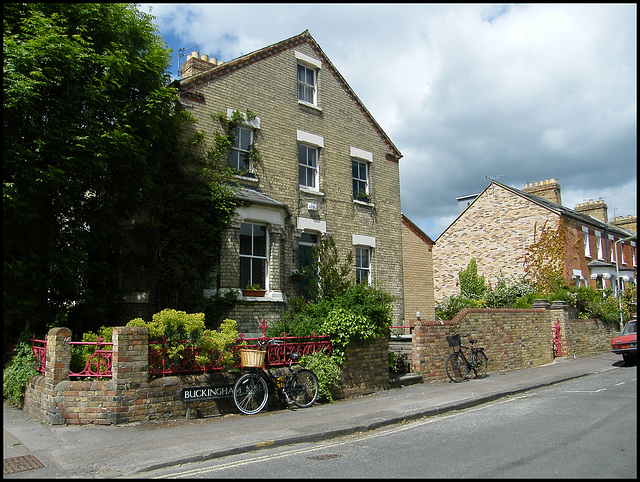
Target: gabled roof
(570, 213)
(416, 230)
(250, 58)
(246, 194)
(555, 208)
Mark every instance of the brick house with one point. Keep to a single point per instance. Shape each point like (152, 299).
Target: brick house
(417, 255)
(498, 225)
(326, 168)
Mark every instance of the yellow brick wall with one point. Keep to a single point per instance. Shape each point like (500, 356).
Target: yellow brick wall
(495, 230)
(418, 277)
(268, 88)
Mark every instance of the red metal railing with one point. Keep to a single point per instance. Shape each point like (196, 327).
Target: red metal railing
(99, 362)
(160, 364)
(40, 352)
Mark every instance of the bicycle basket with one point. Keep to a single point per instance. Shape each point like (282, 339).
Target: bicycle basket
(252, 358)
(454, 340)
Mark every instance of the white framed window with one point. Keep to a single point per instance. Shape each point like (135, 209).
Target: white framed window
(253, 255)
(364, 246)
(612, 255)
(307, 91)
(633, 253)
(238, 157)
(360, 175)
(363, 264)
(599, 245)
(308, 69)
(585, 239)
(309, 146)
(308, 166)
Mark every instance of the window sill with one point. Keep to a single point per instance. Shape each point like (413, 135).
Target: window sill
(269, 297)
(364, 203)
(246, 178)
(307, 190)
(310, 106)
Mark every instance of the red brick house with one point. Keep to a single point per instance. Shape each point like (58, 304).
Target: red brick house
(500, 223)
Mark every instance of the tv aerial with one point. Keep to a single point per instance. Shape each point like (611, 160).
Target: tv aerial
(181, 53)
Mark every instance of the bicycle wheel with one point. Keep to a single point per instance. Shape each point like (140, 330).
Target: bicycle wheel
(250, 393)
(303, 388)
(480, 368)
(456, 367)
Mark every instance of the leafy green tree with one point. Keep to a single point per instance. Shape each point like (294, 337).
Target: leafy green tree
(93, 142)
(471, 285)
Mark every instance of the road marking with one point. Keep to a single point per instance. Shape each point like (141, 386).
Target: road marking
(586, 391)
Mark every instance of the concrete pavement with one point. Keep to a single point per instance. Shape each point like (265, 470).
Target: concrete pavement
(33, 450)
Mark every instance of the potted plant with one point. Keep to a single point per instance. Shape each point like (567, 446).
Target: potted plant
(254, 290)
(297, 275)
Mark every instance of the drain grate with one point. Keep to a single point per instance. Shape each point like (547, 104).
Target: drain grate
(20, 464)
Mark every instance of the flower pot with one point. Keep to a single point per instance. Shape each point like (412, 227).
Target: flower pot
(254, 293)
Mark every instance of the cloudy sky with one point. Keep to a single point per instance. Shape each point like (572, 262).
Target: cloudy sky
(468, 93)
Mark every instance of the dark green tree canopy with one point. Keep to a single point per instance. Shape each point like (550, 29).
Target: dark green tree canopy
(91, 125)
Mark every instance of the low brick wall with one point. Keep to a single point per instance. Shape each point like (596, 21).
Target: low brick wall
(512, 339)
(588, 337)
(130, 397)
(366, 368)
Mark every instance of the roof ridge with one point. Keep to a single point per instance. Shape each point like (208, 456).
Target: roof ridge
(264, 52)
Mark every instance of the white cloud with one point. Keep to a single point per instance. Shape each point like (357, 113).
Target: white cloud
(466, 92)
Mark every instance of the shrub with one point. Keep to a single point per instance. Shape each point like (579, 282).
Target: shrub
(175, 327)
(216, 345)
(18, 372)
(81, 353)
(327, 371)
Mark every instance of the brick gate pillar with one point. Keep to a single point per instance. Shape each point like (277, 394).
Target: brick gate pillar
(130, 357)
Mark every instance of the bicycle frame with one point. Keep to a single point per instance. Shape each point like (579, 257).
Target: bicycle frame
(476, 361)
(297, 387)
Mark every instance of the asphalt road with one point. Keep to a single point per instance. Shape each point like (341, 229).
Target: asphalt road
(585, 427)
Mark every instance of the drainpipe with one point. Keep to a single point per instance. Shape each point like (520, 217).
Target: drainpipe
(618, 290)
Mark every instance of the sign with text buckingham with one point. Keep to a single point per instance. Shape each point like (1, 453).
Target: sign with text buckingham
(191, 394)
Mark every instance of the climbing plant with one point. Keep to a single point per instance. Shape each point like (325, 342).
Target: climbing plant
(222, 141)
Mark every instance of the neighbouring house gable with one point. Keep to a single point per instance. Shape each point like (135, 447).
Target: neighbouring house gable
(417, 255)
(498, 226)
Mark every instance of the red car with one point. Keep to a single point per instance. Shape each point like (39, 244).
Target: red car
(626, 343)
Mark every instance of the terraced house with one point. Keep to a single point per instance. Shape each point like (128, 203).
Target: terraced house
(325, 167)
(498, 225)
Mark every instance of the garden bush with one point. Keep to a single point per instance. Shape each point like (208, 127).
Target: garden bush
(327, 371)
(18, 372)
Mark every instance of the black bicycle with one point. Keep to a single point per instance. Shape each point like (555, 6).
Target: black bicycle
(299, 387)
(457, 365)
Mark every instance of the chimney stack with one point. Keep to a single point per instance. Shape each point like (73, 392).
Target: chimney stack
(196, 64)
(549, 190)
(595, 209)
(630, 223)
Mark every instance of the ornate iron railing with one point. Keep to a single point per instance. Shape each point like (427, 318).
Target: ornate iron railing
(40, 352)
(99, 362)
(161, 364)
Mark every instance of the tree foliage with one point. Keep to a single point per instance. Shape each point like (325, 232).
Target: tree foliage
(96, 197)
(544, 258)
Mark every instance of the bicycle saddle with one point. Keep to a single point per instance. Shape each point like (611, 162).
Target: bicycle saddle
(293, 356)
(473, 342)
